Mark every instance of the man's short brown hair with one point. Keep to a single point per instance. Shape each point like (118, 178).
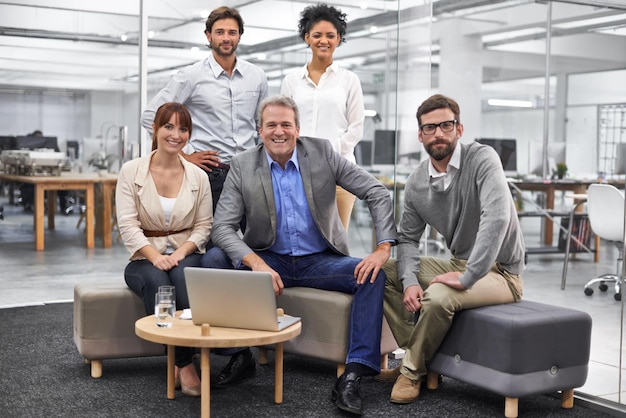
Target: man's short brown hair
(438, 101)
(224, 13)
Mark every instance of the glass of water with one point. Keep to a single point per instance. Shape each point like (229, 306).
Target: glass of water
(164, 309)
(168, 289)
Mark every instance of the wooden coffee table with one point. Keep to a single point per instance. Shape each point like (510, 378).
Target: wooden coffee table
(184, 333)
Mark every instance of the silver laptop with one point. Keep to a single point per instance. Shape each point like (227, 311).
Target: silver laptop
(234, 299)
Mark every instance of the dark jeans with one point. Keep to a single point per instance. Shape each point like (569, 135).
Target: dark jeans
(330, 271)
(144, 279)
(217, 177)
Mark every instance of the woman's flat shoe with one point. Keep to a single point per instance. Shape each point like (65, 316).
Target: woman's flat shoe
(193, 391)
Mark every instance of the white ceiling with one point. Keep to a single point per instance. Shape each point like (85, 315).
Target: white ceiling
(77, 44)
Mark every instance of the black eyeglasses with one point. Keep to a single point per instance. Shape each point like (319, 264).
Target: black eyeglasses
(430, 128)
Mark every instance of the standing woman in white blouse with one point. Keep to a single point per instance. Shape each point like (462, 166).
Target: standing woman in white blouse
(330, 98)
(165, 214)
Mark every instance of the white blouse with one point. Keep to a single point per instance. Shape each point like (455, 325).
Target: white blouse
(333, 109)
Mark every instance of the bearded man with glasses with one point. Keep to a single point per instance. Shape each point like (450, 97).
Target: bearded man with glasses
(462, 192)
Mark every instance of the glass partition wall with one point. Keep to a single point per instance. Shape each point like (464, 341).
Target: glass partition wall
(547, 75)
(543, 75)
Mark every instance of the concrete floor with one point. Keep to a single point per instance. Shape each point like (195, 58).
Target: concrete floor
(29, 277)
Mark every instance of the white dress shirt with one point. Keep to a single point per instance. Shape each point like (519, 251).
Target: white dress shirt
(333, 109)
(453, 166)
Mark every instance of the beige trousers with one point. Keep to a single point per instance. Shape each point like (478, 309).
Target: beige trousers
(439, 305)
(345, 203)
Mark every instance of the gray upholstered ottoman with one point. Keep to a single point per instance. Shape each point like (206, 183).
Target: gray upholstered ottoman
(516, 350)
(325, 316)
(104, 324)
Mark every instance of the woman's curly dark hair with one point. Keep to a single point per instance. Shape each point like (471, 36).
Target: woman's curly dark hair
(322, 12)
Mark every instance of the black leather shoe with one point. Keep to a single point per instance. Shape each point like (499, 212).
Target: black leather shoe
(346, 393)
(240, 366)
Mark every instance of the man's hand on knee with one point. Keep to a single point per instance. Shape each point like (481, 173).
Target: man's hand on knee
(413, 298)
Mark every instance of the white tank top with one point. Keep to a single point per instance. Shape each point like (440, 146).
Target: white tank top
(167, 203)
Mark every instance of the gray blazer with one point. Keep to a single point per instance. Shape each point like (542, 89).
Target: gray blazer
(248, 191)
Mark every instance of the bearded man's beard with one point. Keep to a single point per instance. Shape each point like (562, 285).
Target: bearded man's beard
(439, 153)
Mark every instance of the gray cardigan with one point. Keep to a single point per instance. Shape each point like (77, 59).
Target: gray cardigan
(476, 216)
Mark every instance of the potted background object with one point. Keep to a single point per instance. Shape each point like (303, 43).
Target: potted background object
(102, 162)
(561, 170)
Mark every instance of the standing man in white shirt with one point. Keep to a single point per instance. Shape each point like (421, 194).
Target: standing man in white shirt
(222, 93)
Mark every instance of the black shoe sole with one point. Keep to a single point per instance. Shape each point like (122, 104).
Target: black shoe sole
(335, 398)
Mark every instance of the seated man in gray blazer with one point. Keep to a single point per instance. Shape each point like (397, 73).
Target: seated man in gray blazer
(285, 187)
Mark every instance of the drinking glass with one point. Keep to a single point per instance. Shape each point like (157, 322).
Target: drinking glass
(168, 289)
(164, 309)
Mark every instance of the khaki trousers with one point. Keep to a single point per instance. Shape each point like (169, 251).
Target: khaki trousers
(439, 305)
(345, 203)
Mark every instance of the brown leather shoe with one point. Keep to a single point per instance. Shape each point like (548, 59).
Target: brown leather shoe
(388, 375)
(405, 390)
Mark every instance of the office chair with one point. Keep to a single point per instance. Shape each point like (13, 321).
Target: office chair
(72, 202)
(605, 207)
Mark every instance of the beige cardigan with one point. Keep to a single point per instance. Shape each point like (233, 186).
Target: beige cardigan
(138, 208)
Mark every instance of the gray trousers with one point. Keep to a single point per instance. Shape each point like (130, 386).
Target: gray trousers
(440, 303)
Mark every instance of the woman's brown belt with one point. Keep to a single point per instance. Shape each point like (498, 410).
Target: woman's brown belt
(152, 234)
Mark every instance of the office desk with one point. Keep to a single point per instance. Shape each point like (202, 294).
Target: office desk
(69, 181)
(550, 187)
(108, 183)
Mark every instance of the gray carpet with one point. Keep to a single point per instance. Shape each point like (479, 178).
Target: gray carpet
(42, 375)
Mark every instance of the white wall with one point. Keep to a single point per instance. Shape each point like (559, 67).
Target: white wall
(605, 87)
(585, 93)
(581, 133)
(110, 112)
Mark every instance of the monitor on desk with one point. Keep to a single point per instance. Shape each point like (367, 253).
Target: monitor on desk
(34, 142)
(556, 154)
(7, 143)
(363, 153)
(73, 149)
(506, 150)
(384, 150)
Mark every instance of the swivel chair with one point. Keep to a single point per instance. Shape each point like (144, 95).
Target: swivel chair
(72, 202)
(605, 207)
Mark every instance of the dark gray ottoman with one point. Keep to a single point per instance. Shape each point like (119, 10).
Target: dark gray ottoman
(516, 350)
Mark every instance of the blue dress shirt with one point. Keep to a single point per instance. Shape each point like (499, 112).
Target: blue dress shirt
(296, 232)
